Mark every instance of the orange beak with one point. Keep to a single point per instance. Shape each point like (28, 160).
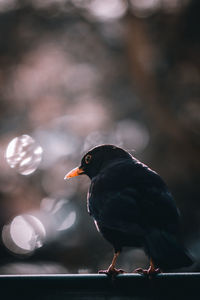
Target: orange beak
(75, 172)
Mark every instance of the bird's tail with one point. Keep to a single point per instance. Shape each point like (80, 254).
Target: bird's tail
(165, 251)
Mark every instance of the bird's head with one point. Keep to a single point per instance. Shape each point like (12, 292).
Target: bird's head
(98, 158)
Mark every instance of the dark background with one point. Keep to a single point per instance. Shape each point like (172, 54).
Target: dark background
(75, 74)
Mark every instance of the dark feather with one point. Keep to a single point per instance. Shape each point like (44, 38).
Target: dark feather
(165, 250)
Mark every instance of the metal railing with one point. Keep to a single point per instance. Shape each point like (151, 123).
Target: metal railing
(93, 286)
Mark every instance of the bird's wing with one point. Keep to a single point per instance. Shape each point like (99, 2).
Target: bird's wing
(129, 196)
(116, 210)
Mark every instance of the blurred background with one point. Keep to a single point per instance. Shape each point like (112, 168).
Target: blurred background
(75, 74)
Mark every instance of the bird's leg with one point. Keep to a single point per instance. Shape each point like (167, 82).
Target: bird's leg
(150, 271)
(111, 269)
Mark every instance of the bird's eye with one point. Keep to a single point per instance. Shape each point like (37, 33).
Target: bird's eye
(88, 158)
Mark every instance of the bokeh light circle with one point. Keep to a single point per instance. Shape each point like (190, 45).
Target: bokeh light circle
(68, 222)
(132, 135)
(61, 211)
(24, 154)
(24, 234)
(107, 10)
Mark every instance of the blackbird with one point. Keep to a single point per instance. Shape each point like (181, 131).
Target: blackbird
(132, 207)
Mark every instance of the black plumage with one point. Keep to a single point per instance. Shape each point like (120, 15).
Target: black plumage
(132, 206)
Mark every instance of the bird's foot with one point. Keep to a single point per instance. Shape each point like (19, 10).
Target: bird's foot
(112, 271)
(150, 272)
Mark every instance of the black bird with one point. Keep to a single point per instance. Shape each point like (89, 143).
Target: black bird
(132, 206)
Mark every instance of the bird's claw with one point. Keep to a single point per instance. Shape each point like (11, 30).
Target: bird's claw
(112, 272)
(149, 272)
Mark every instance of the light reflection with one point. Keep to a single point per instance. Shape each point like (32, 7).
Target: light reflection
(107, 10)
(68, 221)
(96, 138)
(89, 113)
(24, 234)
(129, 134)
(93, 139)
(51, 205)
(56, 144)
(60, 212)
(24, 154)
(132, 135)
(144, 8)
(59, 205)
(47, 204)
